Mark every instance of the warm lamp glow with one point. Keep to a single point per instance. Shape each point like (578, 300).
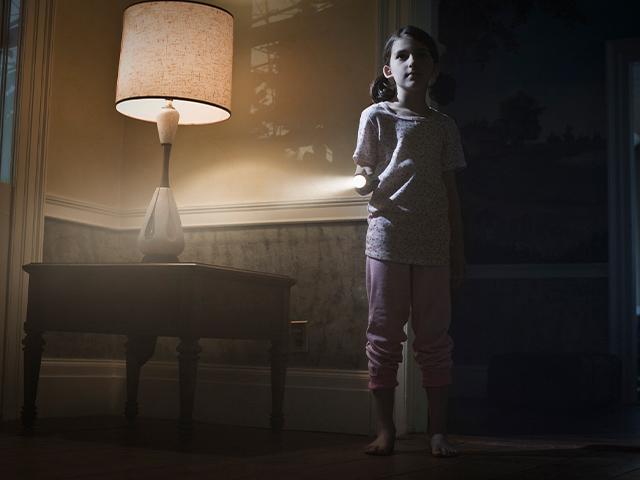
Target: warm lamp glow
(195, 113)
(176, 50)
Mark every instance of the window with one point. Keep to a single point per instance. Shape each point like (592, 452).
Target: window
(9, 41)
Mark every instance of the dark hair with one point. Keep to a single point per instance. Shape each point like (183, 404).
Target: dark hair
(382, 89)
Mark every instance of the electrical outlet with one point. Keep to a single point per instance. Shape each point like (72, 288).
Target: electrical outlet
(298, 341)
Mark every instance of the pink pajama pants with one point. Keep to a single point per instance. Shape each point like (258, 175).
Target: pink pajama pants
(396, 292)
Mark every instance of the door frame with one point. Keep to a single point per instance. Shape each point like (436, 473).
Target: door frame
(623, 327)
(27, 208)
(410, 407)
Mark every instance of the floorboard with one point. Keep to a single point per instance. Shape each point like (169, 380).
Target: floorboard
(101, 448)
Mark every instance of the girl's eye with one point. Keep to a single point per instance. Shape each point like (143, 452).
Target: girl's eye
(404, 56)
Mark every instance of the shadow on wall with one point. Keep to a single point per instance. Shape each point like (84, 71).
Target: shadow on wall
(300, 82)
(284, 81)
(301, 75)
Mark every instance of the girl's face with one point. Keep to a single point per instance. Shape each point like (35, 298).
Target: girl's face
(411, 65)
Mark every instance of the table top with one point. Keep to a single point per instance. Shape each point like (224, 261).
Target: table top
(163, 299)
(158, 267)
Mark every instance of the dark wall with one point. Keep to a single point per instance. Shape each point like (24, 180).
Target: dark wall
(534, 315)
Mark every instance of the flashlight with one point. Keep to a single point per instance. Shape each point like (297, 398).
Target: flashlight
(359, 181)
(364, 184)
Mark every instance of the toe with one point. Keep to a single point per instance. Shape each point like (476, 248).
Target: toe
(449, 452)
(442, 452)
(379, 450)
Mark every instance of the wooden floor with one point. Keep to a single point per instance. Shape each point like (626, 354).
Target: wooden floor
(103, 448)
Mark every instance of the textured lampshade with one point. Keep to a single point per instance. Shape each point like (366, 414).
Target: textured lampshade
(176, 50)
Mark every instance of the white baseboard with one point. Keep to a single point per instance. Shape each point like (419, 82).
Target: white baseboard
(315, 399)
(70, 387)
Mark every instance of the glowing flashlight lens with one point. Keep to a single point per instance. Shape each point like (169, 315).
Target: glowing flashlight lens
(359, 181)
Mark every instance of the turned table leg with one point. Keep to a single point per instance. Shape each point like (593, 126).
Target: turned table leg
(33, 346)
(139, 349)
(278, 375)
(188, 354)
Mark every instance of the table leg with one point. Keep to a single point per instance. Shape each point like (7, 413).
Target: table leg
(139, 349)
(278, 375)
(188, 354)
(33, 346)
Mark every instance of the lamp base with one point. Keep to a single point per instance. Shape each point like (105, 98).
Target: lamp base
(161, 236)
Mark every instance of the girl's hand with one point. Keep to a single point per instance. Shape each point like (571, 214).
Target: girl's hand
(368, 183)
(368, 171)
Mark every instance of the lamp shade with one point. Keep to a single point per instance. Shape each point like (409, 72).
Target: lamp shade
(176, 50)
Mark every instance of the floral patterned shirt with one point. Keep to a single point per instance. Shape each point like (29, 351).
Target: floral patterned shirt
(408, 211)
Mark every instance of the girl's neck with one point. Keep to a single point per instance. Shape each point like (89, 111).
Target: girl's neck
(413, 101)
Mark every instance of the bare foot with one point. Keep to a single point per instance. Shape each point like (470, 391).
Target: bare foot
(383, 444)
(440, 446)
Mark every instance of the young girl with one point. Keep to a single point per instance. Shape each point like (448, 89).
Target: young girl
(414, 250)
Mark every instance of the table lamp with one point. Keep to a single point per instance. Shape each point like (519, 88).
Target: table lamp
(175, 69)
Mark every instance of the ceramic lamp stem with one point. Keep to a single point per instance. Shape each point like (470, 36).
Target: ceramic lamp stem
(165, 165)
(167, 122)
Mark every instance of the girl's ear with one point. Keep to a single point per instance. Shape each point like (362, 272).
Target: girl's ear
(386, 71)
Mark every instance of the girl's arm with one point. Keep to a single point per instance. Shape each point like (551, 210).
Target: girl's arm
(366, 154)
(455, 224)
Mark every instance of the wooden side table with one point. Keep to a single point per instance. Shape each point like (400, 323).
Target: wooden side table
(146, 300)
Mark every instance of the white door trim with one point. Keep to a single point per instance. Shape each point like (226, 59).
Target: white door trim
(27, 218)
(409, 398)
(623, 331)
(5, 219)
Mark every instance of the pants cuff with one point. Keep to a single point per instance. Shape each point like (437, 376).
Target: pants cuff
(383, 379)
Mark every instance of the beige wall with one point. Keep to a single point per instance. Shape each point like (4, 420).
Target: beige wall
(301, 72)
(85, 138)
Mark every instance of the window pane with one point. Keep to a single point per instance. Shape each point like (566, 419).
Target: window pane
(9, 62)
(526, 85)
